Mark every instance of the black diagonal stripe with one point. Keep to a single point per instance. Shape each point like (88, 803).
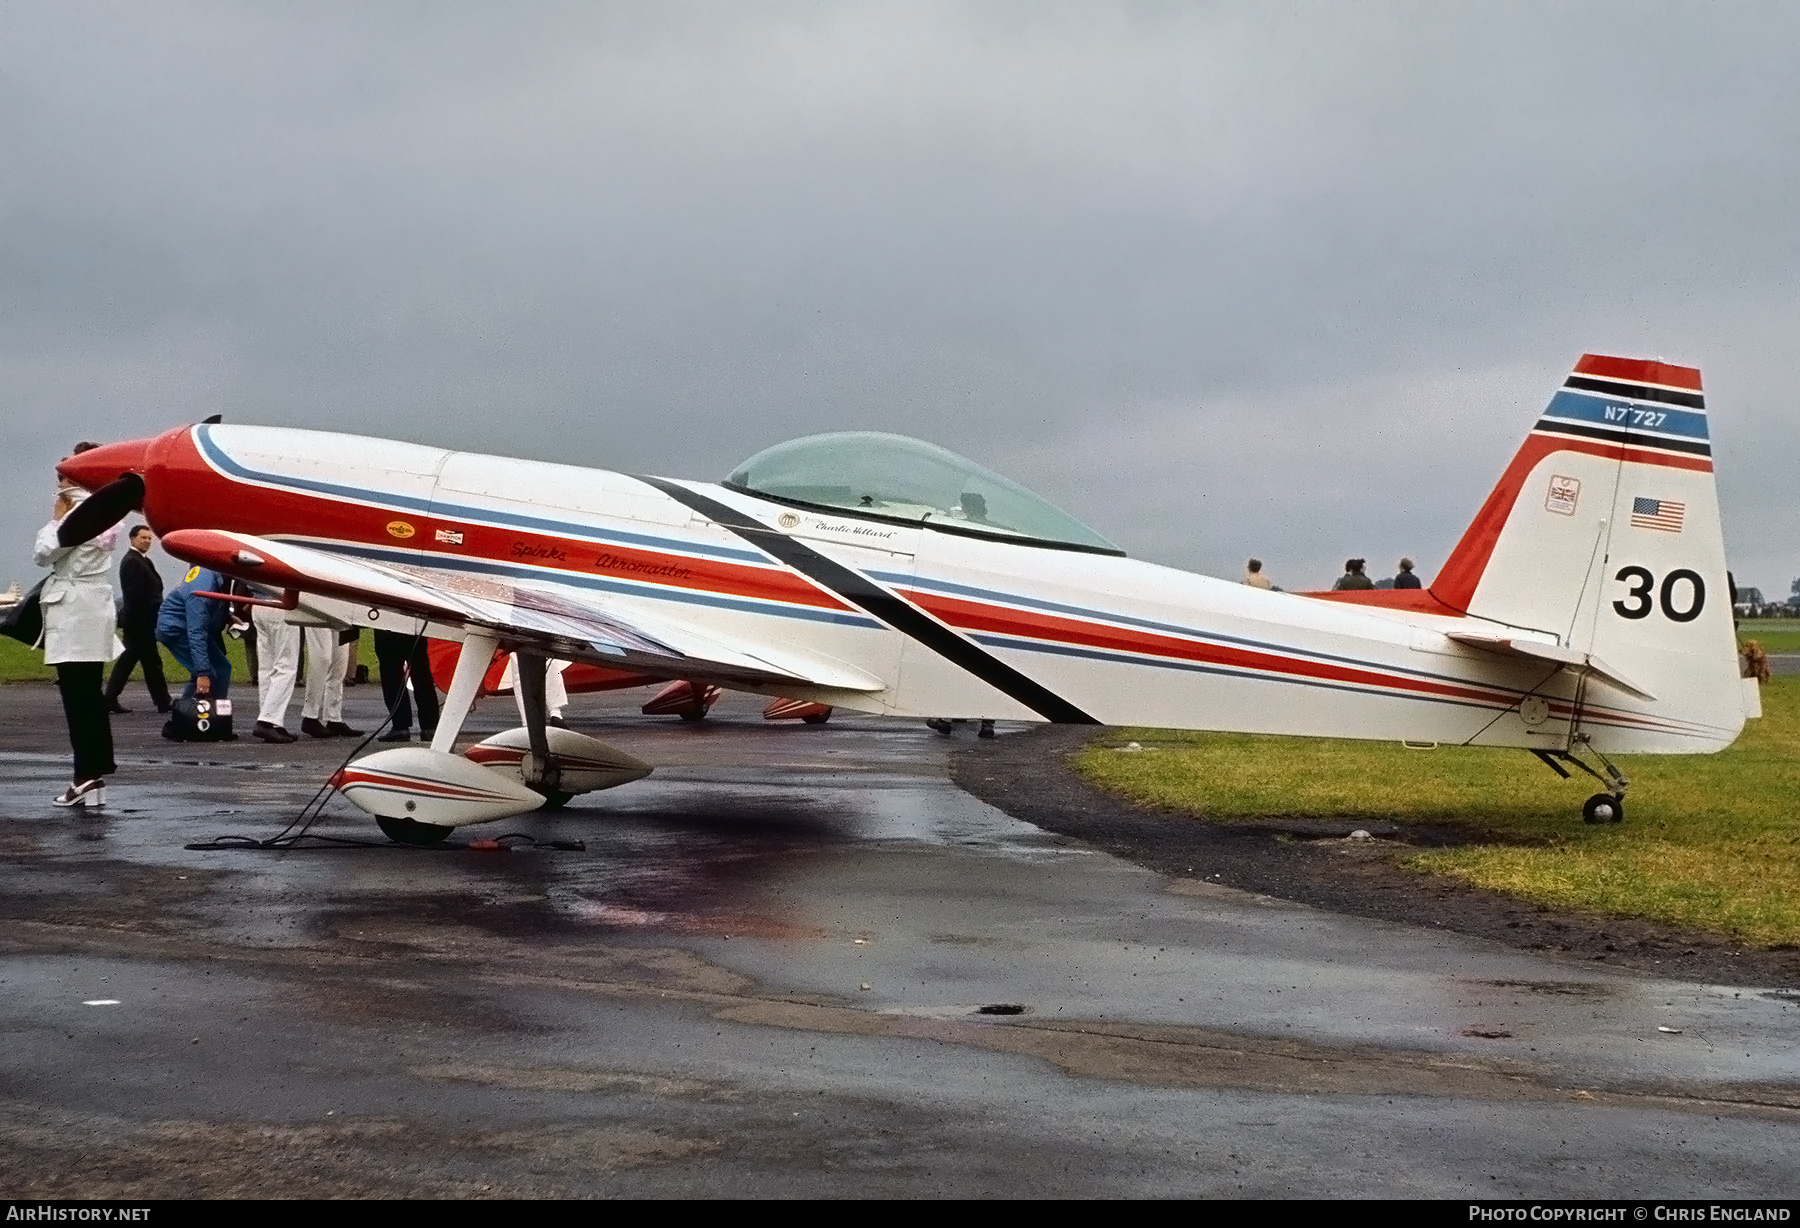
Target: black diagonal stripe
(902, 616)
(1636, 392)
(1559, 427)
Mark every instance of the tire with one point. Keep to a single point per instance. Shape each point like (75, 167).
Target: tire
(694, 716)
(1603, 808)
(817, 718)
(554, 799)
(413, 832)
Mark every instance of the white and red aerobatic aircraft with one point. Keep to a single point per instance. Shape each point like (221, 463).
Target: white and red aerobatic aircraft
(1584, 609)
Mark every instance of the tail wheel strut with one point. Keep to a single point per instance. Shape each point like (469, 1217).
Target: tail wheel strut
(1607, 807)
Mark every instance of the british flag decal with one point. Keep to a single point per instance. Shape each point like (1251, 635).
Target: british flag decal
(1664, 514)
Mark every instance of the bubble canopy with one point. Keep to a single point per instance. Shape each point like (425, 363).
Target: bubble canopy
(893, 477)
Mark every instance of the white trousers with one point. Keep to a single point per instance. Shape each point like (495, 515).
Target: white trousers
(326, 661)
(278, 650)
(556, 696)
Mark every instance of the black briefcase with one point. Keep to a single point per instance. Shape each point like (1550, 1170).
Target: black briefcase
(25, 621)
(200, 719)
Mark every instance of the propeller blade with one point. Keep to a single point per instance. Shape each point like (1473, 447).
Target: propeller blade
(101, 510)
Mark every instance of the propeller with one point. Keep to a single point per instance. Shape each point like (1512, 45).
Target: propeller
(101, 510)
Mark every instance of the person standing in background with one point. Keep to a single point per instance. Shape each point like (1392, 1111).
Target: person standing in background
(143, 590)
(556, 695)
(322, 708)
(1253, 575)
(401, 654)
(355, 673)
(246, 633)
(1354, 577)
(78, 639)
(1406, 579)
(280, 641)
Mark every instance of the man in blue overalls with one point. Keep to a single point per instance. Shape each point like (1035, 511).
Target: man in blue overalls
(192, 628)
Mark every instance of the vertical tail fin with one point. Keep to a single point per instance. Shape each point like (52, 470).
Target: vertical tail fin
(1605, 531)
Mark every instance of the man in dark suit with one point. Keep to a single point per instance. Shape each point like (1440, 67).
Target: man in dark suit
(401, 654)
(137, 622)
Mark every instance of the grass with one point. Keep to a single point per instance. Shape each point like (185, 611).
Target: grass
(19, 663)
(1774, 634)
(1710, 841)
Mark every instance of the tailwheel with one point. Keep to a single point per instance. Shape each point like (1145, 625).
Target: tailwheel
(1603, 808)
(413, 832)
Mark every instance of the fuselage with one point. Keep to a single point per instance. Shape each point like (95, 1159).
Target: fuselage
(1107, 638)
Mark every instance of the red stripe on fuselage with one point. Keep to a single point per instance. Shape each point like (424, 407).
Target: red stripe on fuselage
(188, 493)
(970, 616)
(351, 777)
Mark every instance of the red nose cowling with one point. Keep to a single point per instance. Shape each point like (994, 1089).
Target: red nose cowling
(109, 462)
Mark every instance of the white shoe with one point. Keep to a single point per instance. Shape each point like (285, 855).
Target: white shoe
(91, 793)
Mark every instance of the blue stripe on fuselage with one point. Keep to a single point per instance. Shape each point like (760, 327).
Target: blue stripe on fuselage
(1591, 712)
(1248, 673)
(1204, 637)
(451, 511)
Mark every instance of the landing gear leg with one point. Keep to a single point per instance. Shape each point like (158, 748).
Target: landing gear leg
(540, 770)
(1608, 807)
(477, 654)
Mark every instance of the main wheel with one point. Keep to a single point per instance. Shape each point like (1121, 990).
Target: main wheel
(1603, 808)
(691, 715)
(413, 832)
(817, 718)
(554, 799)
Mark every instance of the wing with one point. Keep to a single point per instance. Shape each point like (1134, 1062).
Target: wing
(1568, 658)
(523, 615)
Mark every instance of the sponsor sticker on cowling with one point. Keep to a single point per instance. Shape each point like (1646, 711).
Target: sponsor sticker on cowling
(400, 529)
(450, 537)
(787, 520)
(1564, 494)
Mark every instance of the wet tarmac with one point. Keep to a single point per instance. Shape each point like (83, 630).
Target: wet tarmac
(767, 975)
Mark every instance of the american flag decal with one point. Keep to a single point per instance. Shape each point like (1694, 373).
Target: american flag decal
(1661, 514)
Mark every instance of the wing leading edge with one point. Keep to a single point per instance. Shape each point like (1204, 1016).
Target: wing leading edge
(522, 614)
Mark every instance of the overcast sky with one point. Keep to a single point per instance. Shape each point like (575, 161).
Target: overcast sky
(1285, 280)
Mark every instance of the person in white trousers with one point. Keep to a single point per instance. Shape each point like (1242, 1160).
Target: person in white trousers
(278, 642)
(556, 696)
(322, 709)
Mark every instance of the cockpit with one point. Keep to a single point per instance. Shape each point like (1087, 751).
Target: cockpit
(892, 477)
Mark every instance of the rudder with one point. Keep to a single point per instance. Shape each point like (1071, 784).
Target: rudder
(1605, 532)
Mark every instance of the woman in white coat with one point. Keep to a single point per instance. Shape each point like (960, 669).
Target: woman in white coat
(77, 603)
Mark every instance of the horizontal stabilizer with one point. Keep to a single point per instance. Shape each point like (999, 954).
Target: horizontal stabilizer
(1568, 658)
